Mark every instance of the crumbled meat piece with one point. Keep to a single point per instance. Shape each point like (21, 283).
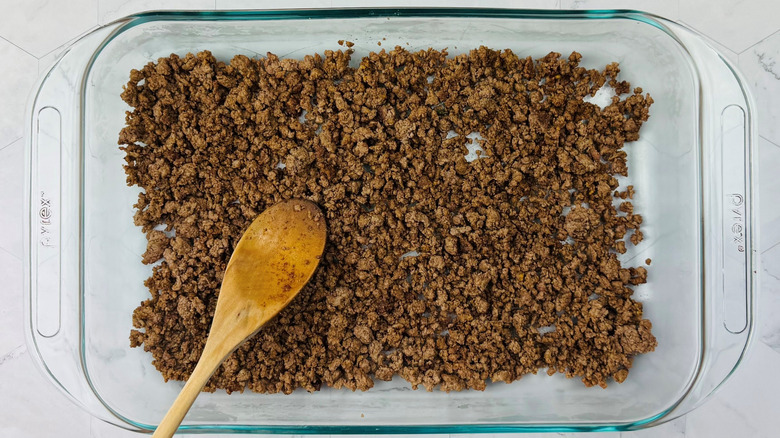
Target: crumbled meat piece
(636, 237)
(158, 241)
(580, 220)
(517, 251)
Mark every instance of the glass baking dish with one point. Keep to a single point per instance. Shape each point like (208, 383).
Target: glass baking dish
(695, 164)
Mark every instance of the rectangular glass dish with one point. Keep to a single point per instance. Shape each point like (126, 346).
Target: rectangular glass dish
(695, 164)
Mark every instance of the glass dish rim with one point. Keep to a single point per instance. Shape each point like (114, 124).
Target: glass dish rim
(131, 21)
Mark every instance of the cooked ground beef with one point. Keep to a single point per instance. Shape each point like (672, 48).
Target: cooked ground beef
(448, 272)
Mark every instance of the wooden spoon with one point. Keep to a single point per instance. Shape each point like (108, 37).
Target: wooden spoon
(272, 262)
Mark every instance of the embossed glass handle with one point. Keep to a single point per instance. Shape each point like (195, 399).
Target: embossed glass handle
(52, 244)
(729, 216)
(736, 235)
(45, 220)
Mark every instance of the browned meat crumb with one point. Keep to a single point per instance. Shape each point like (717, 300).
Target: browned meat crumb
(155, 249)
(517, 268)
(636, 237)
(647, 262)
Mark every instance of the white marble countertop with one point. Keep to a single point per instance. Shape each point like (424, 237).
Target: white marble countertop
(32, 33)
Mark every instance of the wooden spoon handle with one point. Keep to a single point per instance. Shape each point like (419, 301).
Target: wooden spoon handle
(208, 363)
